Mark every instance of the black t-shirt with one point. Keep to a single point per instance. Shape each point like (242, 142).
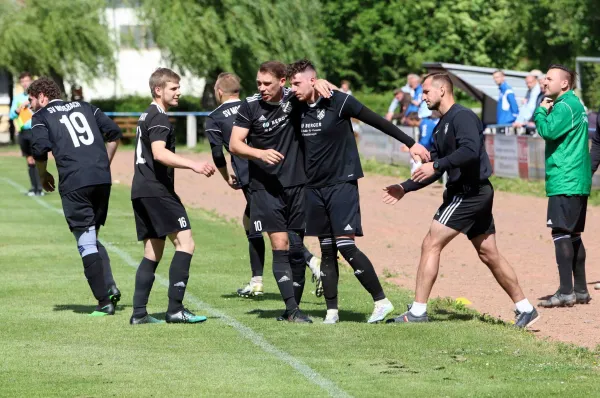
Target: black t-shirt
(75, 133)
(218, 130)
(274, 126)
(330, 147)
(152, 178)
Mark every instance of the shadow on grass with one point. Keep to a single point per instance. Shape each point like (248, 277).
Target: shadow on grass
(316, 315)
(264, 297)
(83, 309)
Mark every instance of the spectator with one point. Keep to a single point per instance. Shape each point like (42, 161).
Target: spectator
(345, 87)
(429, 120)
(530, 101)
(396, 102)
(416, 92)
(507, 108)
(20, 114)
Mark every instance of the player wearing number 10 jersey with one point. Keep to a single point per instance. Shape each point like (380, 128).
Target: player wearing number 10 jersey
(75, 133)
(158, 210)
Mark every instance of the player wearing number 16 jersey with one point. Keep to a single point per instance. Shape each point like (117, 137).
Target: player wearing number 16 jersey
(158, 210)
(75, 133)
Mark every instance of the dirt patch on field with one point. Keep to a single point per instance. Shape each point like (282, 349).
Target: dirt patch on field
(393, 237)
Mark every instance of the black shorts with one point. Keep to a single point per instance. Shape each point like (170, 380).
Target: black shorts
(157, 217)
(248, 196)
(333, 210)
(25, 142)
(86, 207)
(567, 213)
(468, 210)
(277, 210)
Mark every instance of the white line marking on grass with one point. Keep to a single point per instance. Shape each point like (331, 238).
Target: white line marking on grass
(246, 332)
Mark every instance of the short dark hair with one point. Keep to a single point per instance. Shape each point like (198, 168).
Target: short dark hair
(46, 86)
(299, 66)
(228, 82)
(275, 68)
(442, 77)
(571, 76)
(25, 74)
(498, 71)
(160, 77)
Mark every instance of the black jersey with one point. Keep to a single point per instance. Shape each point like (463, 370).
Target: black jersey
(459, 149)
(330, 147)
(274, 126)
(75, 133)
(152, 178)
(218, 130)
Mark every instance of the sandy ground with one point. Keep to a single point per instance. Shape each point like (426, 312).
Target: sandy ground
(393, 236)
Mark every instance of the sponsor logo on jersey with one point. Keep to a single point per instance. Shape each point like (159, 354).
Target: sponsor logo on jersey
(320, 114)
(286, 107)
(262, 118)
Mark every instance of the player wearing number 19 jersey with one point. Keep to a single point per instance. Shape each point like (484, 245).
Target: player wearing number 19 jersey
(75, 133)
(157, 208)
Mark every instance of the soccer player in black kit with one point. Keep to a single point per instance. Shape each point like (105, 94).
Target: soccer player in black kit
(158, 211)
(218, 131)
(458, 148)
(269, 121)
(75, 133)
(332, 170)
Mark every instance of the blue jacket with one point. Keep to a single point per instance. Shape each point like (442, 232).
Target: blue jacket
(417, 95)
(426, 132)
(507, 109)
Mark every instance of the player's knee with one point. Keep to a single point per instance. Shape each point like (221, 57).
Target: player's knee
(489, 256)
(86, 241)
(187, 246)
(279, 241)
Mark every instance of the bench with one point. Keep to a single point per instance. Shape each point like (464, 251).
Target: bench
(128, 125)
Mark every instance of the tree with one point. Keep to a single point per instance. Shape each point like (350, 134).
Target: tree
(62, 38)
(207, 37)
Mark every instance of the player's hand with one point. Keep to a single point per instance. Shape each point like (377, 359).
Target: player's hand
(393, 194)
(271, 156)
(48, 182)
(324, 88)
(423, 173)
(233, 182)
(547, 103)
(204, 168)
(419, 153)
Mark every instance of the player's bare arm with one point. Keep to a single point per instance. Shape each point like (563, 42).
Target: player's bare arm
(239, 147)
(111, 149)
(47, 179)
(170, 159)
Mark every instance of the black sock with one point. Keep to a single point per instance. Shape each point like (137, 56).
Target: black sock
(283, 275)
(297, 264)
(32, 176)
(144, 279)
(256, 249)
(179, 273)
(579, 264)
(307, 255)
(329, 272)
(564, 258)
(92, 268)
(363, 269)
(108, 276)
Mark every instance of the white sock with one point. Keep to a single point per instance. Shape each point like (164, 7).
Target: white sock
(256, 279)
(524, 306)
(332, 313)
(382, 302)
(418, 309)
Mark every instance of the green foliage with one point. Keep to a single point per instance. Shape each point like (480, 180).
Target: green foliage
(61, 38)
(375, 43)
(208, 37)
